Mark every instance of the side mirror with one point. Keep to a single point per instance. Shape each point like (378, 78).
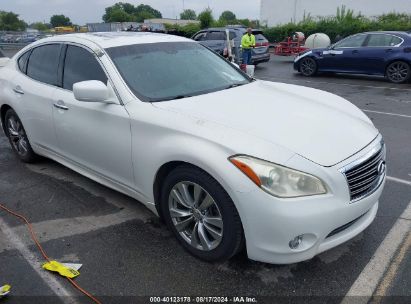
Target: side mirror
(91, 91)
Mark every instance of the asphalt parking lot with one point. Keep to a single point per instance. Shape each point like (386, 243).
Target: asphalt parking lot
(128, 255)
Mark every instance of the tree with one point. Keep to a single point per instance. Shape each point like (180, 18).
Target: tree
(206, 18)
(60, 20)
(146, 12)
(121, 12)
(227, 16)
(10, 21)
(117, 15)
(40, 26)
(188, 14)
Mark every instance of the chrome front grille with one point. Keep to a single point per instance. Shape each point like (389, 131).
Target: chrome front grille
(365, 175)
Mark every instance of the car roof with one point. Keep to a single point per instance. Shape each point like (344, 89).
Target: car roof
(112, 39)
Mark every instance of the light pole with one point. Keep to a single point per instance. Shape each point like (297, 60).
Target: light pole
(295, 11)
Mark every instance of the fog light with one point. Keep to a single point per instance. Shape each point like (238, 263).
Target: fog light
(296, 242)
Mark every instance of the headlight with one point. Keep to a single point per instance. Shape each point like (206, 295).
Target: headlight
(278, 180)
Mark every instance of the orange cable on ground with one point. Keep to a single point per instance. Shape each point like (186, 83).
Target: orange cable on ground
(34, 238)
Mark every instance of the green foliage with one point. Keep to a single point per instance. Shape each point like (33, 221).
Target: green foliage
(186, 30)
(123, 12)
(143, 11)
(60, 20)
(206, 18)
(40, 26)
(228, 16)
(10, 21)
(343, 24)
(188, 14)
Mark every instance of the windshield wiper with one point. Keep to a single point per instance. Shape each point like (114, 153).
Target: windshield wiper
(171, 98)
(234, 85)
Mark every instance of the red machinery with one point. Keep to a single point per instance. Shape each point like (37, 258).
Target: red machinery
(291, 46)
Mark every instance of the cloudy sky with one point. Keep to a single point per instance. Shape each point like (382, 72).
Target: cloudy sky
(83, 11)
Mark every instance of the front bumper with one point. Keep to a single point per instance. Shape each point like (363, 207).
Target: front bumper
(296, 66)
(323, 221)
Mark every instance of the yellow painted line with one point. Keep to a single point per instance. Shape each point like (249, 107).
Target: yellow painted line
(392, 272)
(373, 273)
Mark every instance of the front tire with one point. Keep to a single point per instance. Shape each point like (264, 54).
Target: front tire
(201, 214)
(398, 72)
(308, 66)
(18, 138)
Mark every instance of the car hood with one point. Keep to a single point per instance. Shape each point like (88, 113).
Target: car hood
(317, 125)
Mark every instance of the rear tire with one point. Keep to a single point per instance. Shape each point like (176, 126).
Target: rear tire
(18, 138)
(398, 72)
(308, 66)
(201, 214)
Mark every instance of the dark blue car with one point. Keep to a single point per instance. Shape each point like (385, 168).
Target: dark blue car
(373, 53)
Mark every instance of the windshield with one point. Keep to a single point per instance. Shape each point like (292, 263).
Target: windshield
(172, 70)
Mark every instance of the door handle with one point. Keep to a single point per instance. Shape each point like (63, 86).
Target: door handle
(18, 90)
(60, 105)
(388, 51)
(355, 52)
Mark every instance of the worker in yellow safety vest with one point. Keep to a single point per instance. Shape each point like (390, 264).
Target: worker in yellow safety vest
(247, 43)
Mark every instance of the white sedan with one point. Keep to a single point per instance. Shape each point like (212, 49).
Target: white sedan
(227, 161)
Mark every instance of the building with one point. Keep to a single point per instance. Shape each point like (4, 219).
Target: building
(171, 21)
(274, 12)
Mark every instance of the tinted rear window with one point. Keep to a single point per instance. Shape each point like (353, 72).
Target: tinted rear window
(43, 63)
(383, 40)
(260, 37)
(215, 36)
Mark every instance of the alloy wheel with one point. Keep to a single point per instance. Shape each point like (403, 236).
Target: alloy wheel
(195, 216)
(17, 136)
(398, 72)
(308, 67)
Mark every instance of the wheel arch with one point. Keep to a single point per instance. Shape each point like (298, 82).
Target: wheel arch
(159, 179)
(169, 166)
(391, 60)
(311, 56)
(3, 109)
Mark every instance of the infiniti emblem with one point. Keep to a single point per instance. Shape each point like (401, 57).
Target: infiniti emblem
(381, 167)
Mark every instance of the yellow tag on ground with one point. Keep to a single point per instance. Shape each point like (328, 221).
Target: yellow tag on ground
(61, 269)
(4, 290)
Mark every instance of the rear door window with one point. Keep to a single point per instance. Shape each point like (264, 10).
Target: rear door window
(43, 63)
(81, 65)
(1, 54)
(382, 40)
(214, 35)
